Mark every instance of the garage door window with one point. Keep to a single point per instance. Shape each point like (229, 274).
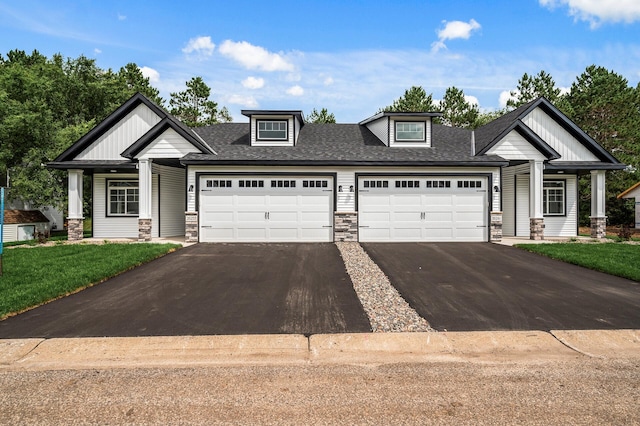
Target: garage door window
(438, 184)
(123, 198)
(251, 184)
(218, 183)
(315, 183)
(407, 184)
(376, 183)
(469, 184)
(283, 183)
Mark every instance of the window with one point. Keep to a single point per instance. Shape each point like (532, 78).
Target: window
(123, 198)
(438, 184)
(407, 184)
(283, 183)
(272, 130)
(315, 184)
(553, 198)
(251, 183)
(217, 183)
(469, 184)
(376, 183)
(410, 131)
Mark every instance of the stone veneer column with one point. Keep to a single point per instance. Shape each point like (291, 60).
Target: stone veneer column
(598, 227)
(495, 229)
(75, 228)
(536, 229)
(191, 227)
(345, 226)
(144, 230)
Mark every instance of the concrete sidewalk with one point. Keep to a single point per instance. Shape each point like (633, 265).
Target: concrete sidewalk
(364, 348)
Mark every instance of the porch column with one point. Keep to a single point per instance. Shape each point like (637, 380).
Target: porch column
(598, 200)
(536, 216)
(75, 218)
(144, 199)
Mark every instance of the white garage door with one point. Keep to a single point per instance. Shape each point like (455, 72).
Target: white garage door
(265, 208)
(423, 208)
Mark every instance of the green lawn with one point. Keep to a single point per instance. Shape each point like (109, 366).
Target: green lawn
(618, 259)
(34, 275)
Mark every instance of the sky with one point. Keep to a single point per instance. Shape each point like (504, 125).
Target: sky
(351, 57)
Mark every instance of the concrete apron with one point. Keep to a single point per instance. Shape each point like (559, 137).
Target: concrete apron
(365, 348)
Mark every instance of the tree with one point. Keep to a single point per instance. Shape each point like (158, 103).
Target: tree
(533, 87)
(133, 79)
(320, 117)
(414, 99)
(193, 106)
(603, 104)
(457, 111)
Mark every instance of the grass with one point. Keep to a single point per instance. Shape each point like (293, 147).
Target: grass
(621, 260)
(33, 276)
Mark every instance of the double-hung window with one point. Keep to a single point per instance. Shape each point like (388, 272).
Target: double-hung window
(409, 131)
(123, 198)
(272, 130)
(553, 200)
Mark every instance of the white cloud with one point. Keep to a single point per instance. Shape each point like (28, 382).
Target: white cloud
(328, 81)
(97, 51)
(253, 82)
(151, 74)
(598, 11)
(255, 57)
(245, 101)
(454, 30)
(295, 91)
(121, 17)
(471, 100)
(504, 97)
(202, 46)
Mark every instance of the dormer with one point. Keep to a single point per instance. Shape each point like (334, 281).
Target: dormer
(402, 129)
(274, 128)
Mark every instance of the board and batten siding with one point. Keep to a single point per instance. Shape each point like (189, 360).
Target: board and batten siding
(514, 147)
(168, 145)
(117, 139)
(554, 226)
(172, 182)
(345, 176)
(569, 148)
(119, 227)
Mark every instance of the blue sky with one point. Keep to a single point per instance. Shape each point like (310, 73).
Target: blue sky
(351, 57)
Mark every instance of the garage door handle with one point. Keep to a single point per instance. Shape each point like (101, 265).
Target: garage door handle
(206, 190)
(327, 226)
(363, 226)
(363, 190)
(206, 226)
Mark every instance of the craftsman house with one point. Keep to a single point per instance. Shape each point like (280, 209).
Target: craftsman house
(391, 177)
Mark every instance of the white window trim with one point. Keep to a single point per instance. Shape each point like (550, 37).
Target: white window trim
(424, 131)
(286, 130)
(109, 188)
(545, 195)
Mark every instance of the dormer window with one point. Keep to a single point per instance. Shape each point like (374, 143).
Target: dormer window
(410, 131)
(273, 130)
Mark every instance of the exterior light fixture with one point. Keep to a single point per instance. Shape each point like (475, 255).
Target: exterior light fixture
(496, 188)
(190, 188)
(339, 188)
(351, 188)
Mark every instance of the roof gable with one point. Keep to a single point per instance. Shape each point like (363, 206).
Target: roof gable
(24, 216)
(633, 191)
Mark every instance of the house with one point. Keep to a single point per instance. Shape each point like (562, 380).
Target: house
(634, 192)
(53, 215)
(391, 177)
(22, 225)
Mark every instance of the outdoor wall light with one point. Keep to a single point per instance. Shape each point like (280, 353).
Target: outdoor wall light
(339, 188)
(351, 188)
(190, 188)
(496, 188)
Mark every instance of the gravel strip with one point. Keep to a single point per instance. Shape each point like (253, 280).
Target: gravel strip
(386, 309)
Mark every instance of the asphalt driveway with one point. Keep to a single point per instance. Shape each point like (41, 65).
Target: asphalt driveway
(482, 286)
(209, 289)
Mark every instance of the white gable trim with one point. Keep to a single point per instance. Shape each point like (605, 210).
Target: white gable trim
(122, 135)
(515, 147)
(169, 144)
(549, 130)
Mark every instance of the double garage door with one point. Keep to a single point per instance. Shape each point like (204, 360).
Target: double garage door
(422, 208)
(300, 208)
(266, 208)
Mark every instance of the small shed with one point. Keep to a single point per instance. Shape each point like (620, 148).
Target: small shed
(634, 192)
(21, 225)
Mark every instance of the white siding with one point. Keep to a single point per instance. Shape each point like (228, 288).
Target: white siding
(515, 147)
(555, 226)
(380, 128)
(172, 183)
(254, 130)
(168, 145)
(9, 233)
(297, 130)
(346, 199)
(119, 227)
(558, 138)
(508, 198)
(117, 139)
(155, 208)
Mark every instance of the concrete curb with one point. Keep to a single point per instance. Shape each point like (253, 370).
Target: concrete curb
(364, 348)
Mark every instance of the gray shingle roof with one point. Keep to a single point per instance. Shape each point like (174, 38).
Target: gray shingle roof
(336, 144)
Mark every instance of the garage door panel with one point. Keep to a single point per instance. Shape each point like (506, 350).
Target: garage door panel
(434, 209)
